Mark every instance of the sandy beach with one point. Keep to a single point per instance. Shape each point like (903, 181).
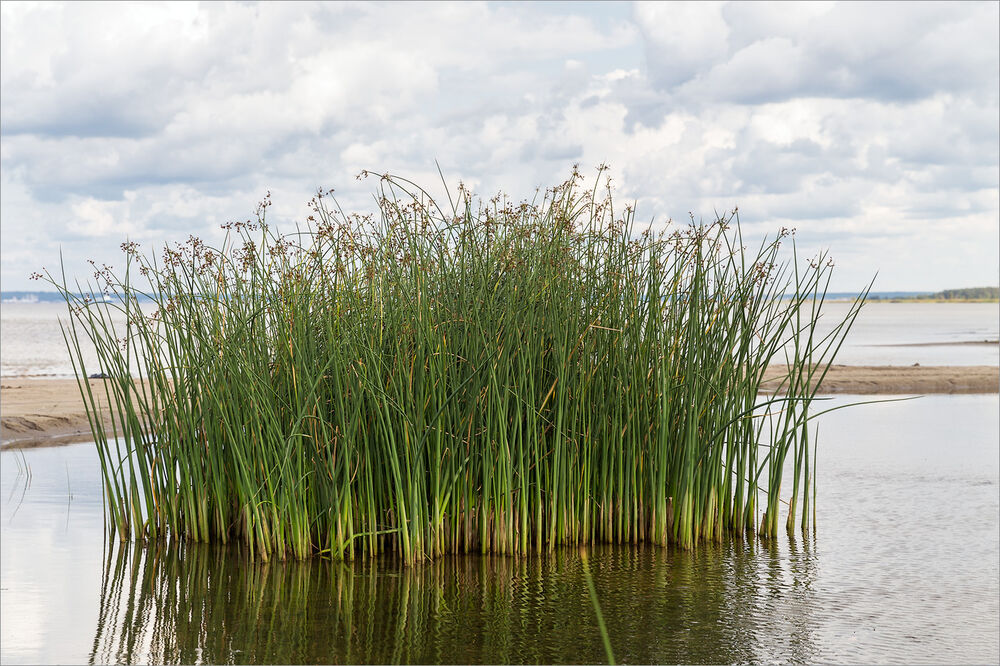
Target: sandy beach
(43, 412)
(49, 412)
(907, 379)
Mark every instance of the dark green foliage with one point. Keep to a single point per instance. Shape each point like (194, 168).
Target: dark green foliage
(972, 294)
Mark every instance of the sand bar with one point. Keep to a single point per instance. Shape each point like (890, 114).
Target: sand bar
(49, 412)
(44, 412)
(904, 379)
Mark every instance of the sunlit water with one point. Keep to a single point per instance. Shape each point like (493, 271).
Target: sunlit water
(903, 568)
(884, 334)
(33, 343)
(924, 333)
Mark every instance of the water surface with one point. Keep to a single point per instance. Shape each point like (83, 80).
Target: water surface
(903, 568)
(884, 334)
(925, 333)
(33, 344)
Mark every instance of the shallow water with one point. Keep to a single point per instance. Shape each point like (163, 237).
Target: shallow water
(903, 568)
(33, 344)
(924, 333)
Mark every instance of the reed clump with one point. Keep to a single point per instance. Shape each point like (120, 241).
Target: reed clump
(477, 376)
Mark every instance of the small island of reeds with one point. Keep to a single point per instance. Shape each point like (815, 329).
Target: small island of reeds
(458, 376)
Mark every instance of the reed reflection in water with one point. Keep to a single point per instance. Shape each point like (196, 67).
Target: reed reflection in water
(731, 602)
(904, 568)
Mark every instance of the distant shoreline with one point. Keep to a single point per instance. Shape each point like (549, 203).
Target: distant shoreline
(908, 299)
(49, 411)
(938, 344)
(934, 300)
(966, 295)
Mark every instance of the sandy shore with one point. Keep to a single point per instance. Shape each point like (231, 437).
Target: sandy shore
(907, 379)
(43, 412)
(48, 412)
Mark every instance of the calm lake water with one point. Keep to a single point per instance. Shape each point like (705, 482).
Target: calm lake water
(903, 568)
(884, 334)
(924, 333)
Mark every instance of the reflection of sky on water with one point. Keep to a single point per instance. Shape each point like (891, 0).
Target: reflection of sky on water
(881, 326)
(33, 342)
(52, 544)
(904, 567)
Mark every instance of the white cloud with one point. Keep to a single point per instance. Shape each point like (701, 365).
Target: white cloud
(758, 52)
(99, 218)
(852, 122)
(682, 38)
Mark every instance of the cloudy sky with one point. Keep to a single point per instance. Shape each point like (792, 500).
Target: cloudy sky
(870, 128)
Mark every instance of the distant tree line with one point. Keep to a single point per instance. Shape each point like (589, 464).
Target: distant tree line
(967, 294)
(971, 293)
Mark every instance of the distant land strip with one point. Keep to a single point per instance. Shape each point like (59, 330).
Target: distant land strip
(937, 344)
(968, 295)
(49, 412)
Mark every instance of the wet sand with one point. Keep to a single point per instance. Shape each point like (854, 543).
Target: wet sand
(905, 379)
(44, 412)
(49, 412)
